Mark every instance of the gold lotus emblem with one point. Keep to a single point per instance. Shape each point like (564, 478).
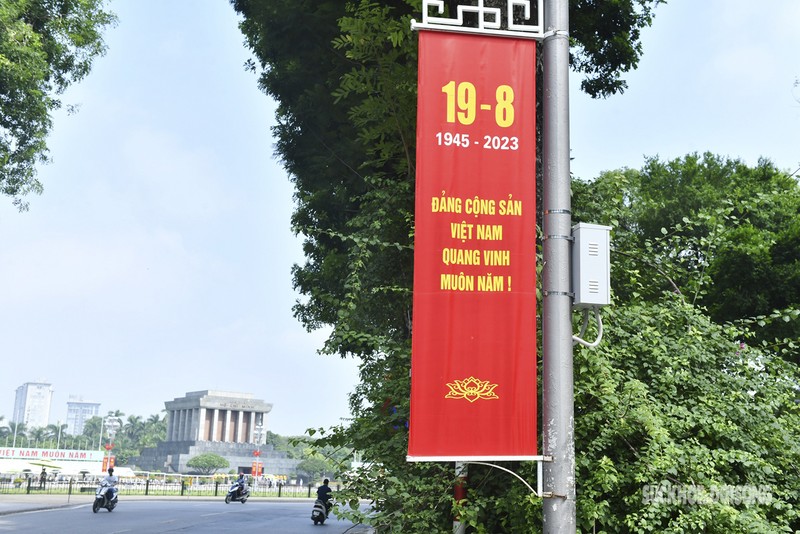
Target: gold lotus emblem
(471, 389)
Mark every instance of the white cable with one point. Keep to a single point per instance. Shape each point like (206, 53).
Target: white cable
(596, 342)
(585, 323)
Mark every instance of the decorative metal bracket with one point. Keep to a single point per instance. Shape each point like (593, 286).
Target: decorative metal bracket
(539, 476)
(489, 19)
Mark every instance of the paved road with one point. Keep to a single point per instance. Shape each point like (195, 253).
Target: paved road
(50, 513)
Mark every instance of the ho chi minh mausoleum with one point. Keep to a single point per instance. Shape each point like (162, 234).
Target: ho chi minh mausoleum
(232, 425)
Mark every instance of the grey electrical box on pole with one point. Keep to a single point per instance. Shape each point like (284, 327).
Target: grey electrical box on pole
(591, 266)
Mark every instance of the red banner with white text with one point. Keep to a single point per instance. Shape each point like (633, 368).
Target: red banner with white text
(473, 367)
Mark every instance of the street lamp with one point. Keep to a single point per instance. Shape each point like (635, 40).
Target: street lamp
(100, 436)
(112, 424)
(259, 433)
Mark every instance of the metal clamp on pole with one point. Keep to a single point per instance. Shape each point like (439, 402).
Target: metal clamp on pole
(555, 33)
(569, 294)
(567, 237)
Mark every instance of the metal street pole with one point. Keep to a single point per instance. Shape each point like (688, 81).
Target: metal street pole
(100, 437)
(259, 431)
(557, 378)
(111, 424)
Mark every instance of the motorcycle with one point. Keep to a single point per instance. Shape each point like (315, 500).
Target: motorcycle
(320, 512)
(234, 495)
(105, 496)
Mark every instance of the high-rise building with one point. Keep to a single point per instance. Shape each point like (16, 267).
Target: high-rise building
(32, 404)
(78, 411)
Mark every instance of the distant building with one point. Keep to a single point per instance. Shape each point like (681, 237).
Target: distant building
(32, 404)
(232, 425)
(216, 416)
(78, 411)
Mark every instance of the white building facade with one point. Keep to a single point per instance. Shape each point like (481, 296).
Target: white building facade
(78, 412)
(32, 404)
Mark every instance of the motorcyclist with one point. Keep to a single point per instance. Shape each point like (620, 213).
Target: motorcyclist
(324, 494)
(240, 482)
(111, 479)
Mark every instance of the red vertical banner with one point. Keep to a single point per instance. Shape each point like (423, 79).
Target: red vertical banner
(473, 366)
(256, 469)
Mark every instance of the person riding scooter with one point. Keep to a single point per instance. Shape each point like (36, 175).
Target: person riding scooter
(324, 494)
(111, 479)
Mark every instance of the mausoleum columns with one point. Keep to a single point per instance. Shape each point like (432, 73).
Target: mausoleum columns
(200, 425)
(215, 416)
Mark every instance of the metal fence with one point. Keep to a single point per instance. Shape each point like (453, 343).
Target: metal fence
(175, 486)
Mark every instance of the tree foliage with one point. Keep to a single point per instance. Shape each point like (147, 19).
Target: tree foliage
(313, 468)
(670, 396)
(207, 463)
(45, 46)
(672, 400)
(346, 133)
(606, 41)
(131, 436)
(721, 233)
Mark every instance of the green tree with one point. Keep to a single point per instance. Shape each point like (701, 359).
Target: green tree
(345, 133)
(313, 468)
(207, 463)
(18, 432)
(134, 428)
(669, 407)
(37, 435)
(92, 428)
(353, 198)
(672, 399)
(56, 434)
(605, 41)
(45, 46)
(5, 430)
(721, 233)
(155, 431)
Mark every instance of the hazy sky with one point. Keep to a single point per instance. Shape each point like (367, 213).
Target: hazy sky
(716, 75)
(158, 259)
